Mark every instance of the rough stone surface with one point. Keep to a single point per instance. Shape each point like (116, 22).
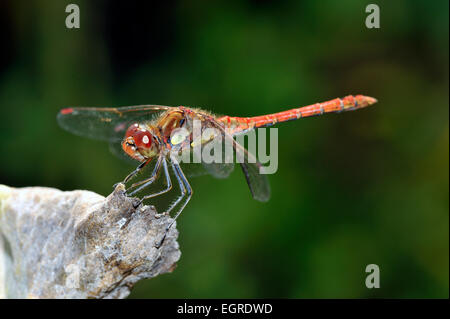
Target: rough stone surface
(78, 244)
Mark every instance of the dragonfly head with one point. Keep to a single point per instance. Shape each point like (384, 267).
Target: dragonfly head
(139, 143)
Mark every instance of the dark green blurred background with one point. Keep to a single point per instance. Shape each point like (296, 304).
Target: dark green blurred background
(352, 189)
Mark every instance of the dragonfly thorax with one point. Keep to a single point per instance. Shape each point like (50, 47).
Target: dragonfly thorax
(139, 142)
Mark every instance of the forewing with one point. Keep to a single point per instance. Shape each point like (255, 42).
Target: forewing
(108, 124)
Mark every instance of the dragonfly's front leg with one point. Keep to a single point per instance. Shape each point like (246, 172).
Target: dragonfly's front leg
(186, 192)
(168, 182)
(133, 173)
(148, 181)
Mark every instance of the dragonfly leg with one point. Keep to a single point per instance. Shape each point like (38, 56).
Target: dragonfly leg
(183, 192)
(148, 181)
(186, 191)
(168, 181)
(134, 173)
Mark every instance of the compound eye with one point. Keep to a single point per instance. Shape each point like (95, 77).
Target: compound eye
(143, 139)
(128, 146)
(132, 130)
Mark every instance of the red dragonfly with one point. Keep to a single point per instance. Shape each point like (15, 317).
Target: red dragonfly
(145, 132)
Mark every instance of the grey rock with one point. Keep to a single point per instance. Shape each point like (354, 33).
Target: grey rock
(78, 244)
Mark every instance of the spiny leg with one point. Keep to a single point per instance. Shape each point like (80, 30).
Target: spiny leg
(134, 173)
(168, 181)
(148, 181)
(186, 190)
(182, 189)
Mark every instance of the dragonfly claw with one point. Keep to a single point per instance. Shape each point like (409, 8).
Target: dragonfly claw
(159, 244)
(137, 204)
(117, 184)
(130, 195)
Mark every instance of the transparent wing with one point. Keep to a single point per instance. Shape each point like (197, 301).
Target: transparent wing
(258, 183)
(193, 169)
(219, 170)
(108, 124)
(220, 164)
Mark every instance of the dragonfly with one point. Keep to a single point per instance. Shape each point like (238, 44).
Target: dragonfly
(146, 132)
